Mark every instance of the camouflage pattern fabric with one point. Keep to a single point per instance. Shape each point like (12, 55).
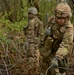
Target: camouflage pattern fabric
(71, 63)
(62, 40)
(33, 35)
(63, 10)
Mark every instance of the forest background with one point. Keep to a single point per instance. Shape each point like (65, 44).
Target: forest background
(13, 18)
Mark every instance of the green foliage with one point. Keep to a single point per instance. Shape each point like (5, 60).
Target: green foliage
(47, 6)
(7, 27)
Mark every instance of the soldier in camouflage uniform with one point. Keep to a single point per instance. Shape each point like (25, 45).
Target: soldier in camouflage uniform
(33, 32)
(57, 41)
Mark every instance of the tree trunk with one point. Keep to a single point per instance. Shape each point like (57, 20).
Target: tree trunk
(2, 8)
(13, 9)
(34, 3)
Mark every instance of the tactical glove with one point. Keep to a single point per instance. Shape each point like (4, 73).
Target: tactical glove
(54, 63)
(48, 31)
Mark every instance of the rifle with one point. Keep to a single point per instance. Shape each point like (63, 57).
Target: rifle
(47, 16)
(47, 31)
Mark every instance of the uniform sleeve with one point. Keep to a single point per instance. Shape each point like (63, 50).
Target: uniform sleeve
(41, 28)
(31, 28)
(66, 43)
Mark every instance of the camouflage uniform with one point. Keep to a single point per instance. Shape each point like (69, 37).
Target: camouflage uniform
(70, 70)
(59, 41)
(71, 63)
(33, 33)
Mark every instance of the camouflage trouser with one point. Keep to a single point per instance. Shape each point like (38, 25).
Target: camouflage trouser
(32, 59)
(44, 64)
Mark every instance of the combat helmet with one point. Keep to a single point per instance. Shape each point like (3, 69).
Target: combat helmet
(33, 10)
(63, 10)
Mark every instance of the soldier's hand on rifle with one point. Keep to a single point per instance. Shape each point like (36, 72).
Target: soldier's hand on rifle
(54, 62)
